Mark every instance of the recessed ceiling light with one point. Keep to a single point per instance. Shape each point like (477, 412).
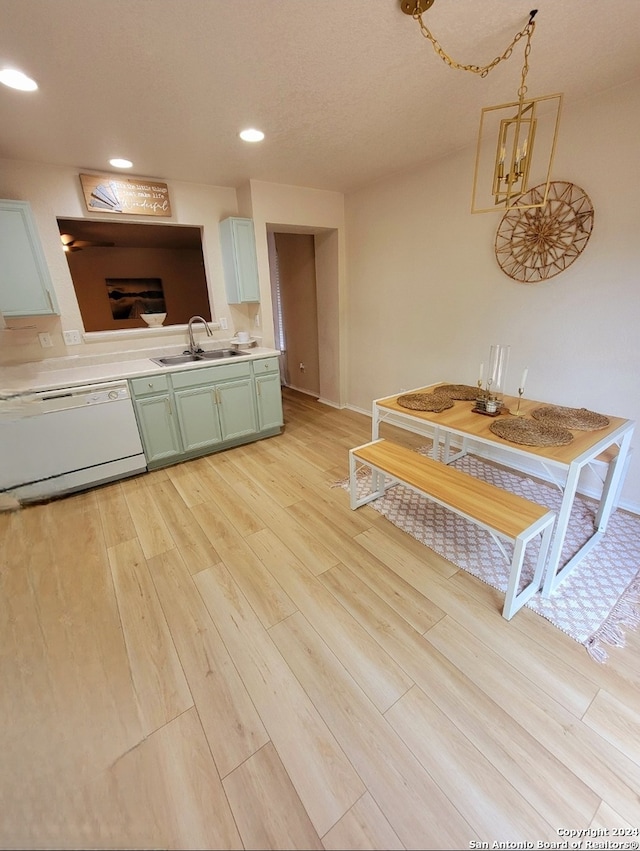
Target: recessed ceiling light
(17, 80)
(118, 163)
(252, 135)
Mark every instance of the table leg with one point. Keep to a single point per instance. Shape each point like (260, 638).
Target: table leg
(562, 523)
(613, 482)
(555, 573)
(375, 423)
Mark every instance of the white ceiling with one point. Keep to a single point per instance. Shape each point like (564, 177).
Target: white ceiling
(347, 91)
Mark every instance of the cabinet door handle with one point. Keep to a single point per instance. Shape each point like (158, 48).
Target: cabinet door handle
(167, 402)
(258, 391)
(217, 392)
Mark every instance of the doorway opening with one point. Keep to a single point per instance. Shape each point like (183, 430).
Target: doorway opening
(292, 263)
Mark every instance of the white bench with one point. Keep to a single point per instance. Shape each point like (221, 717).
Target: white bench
(505, 515)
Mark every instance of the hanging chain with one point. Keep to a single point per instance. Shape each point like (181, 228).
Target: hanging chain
(483, 70)
(525, 66)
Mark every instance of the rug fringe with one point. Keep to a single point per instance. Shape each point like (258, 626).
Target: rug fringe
(626, 613)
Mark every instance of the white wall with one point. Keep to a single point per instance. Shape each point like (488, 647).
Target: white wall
(427, 297)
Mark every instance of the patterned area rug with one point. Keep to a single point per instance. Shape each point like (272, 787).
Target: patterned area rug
(592, 605)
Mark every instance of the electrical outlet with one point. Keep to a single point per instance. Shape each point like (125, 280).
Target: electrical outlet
(223, 323)
(302, 367)
(256, 320)
(45, 340)
(72, 338)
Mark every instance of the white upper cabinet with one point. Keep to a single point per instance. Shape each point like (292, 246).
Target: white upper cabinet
(238, 243)
(26, 288)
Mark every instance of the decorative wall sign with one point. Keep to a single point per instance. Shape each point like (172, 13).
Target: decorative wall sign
(540, 242)
(104, 193)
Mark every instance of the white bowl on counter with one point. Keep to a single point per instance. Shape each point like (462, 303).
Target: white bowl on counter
(153, 320)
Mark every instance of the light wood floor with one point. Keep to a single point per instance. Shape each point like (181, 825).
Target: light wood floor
(222, 654)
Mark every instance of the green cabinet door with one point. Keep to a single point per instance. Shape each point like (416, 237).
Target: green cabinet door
(26, 288)
(158, 428)
(269, 397)
(239, 260)
(237, 410)
(198, 417)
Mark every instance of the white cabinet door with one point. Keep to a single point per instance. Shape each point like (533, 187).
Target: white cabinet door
(238, 244)
(26, 288)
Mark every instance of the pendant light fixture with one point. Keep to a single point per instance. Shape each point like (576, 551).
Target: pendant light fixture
(516, 141)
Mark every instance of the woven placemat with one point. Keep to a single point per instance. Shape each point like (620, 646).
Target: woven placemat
(530, 432)
(425, 401)
(463, 392)
(579, 418)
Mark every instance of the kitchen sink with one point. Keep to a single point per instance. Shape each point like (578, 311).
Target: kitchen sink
(219, 353)
(176, 360)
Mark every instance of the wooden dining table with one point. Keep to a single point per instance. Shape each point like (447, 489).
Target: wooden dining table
(458, 430)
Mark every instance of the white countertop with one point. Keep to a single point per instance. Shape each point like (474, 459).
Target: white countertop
(75, 372)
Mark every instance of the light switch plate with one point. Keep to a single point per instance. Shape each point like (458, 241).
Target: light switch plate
(45, 340)
(223, 323)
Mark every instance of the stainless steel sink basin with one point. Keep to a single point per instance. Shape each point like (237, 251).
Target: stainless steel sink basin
(176, 360)
(220, 353)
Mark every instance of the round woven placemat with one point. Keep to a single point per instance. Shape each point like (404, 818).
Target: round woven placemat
(579, 418)
(462, 392)
(530, 432)
(425, 401)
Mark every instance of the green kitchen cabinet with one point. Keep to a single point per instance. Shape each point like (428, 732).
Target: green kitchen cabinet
(215, 413)
(198, 417)
(236, 405)
(268, 393)
(26, 288)
(159, 433)
(239, 260)
(155, 412)
(187, 413)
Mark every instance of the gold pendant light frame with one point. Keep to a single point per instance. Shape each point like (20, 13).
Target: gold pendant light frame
(523, 128)
(518, 129)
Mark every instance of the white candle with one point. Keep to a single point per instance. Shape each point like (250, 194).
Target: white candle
(524, 377)
(480, 375)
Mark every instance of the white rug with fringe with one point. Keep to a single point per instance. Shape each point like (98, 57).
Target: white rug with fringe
(592, 605)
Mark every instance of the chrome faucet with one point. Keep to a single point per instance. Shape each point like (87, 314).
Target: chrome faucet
(193, 349)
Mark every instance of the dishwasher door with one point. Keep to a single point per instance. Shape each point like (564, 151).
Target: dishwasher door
(66, 439)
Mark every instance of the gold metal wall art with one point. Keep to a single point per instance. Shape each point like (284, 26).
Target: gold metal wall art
(535, 242)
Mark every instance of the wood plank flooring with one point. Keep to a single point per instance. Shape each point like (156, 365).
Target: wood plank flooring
(221, 655)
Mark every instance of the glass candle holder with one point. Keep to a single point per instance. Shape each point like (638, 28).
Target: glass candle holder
(496, 376)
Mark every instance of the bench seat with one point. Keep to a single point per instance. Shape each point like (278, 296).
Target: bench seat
(505, 515)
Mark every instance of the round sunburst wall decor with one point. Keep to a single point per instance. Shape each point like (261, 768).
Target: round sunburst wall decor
(538, 243)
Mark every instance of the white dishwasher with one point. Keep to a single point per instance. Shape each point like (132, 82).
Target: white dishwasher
(58, 441)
